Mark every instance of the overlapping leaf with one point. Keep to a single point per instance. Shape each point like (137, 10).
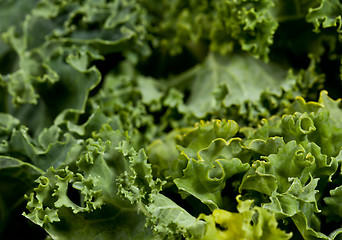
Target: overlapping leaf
(85, 84)
(81, 199)
(213, 156)
(249, 223)
(167, 219)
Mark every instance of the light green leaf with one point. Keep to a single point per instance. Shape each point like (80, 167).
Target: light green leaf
(327, 14)
(203, 133)
(251, 222)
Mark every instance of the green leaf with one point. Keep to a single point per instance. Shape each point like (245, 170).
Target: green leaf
(12, 13)
(51, 149)
(7, 124)
(203, 133)
(229, 72)
(213, 156)
(163, 157)
(167, 219)
(327, 14)
(81, 199)
(251, 222)
(249, 25)
(292, 160)
(323, 117)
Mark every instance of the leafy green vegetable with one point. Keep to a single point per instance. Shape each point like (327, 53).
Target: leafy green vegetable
(248, 223)
(144, 119)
